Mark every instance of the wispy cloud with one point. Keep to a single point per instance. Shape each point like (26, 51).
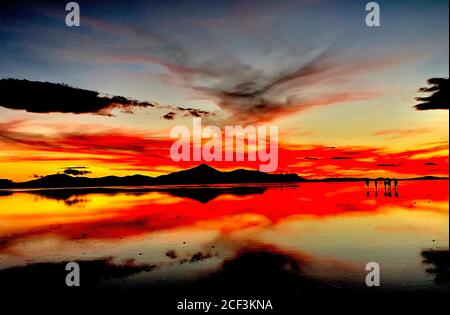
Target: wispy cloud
(246, 91)
(400, 133)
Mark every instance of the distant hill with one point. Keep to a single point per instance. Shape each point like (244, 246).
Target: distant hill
(6, 183)
(63, 180)
(426, 178)
(339, 179)
(204, 174)
(201, 174)
(359, 179)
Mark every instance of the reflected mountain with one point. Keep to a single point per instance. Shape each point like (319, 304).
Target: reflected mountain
(75, 196)
(5, 192)
(69, 197)
(205, 194)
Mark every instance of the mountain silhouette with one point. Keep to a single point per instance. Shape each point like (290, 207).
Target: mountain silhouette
(6, 183)
(201, 174)
(197, 175)
(204, 174)
(63, 180)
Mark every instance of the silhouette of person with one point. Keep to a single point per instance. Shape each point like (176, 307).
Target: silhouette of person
(389, 184)
(376, 188)
(385, 186)
(396, 187)
(367, 187)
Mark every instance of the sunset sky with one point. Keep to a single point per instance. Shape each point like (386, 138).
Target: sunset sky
(341, 93)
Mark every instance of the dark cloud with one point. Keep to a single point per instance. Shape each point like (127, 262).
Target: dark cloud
(430, 164)
(171, 254)
(199, 256)
(438, 262)
(169, 116)
(47, 97)
(194, 112)
(76, 171)
(439, 97)
(341, 158)
(387, 165)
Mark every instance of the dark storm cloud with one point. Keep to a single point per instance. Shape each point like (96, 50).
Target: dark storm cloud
(439, 97)
(46, 97)
(169, 116)
(76, 171)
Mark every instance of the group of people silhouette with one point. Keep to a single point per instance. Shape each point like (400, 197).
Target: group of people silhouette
(387, 182)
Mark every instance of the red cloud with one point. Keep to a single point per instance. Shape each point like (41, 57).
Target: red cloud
(136, 151)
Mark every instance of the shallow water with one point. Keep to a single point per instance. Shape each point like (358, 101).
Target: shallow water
(325, 232)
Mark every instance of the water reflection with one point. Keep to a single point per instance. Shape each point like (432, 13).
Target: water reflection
(315, 234)
(438, 262)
